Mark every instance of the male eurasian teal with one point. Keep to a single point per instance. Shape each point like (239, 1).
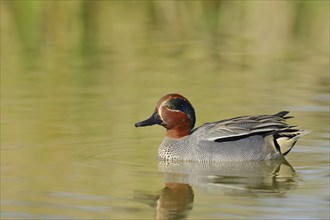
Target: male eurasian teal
(258, 137)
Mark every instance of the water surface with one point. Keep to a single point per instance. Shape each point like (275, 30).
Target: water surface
(74, 85)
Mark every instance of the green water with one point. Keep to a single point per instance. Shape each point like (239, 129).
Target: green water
(77, 75)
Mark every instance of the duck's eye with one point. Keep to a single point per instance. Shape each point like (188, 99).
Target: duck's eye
(171, 107)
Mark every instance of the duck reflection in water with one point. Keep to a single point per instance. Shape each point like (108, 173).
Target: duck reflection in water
(254, 178)
(258, 178)
(174, 201)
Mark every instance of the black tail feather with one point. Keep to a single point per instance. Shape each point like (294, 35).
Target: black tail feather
(282, 114)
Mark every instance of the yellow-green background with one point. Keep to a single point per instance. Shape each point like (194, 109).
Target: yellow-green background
(76, 76)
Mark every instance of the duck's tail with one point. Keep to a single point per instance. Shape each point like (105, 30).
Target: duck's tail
(285, 139)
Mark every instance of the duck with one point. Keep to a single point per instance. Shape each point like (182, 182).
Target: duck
(243, 138)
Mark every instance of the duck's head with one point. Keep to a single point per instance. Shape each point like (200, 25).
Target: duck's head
(175, 113)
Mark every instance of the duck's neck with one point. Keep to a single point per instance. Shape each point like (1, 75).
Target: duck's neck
(178, 132)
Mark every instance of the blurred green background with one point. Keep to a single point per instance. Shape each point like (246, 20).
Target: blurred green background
(76, 76)
(127, 54)
(216, 34)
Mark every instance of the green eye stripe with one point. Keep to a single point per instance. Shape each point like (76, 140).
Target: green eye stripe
(183, 106)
